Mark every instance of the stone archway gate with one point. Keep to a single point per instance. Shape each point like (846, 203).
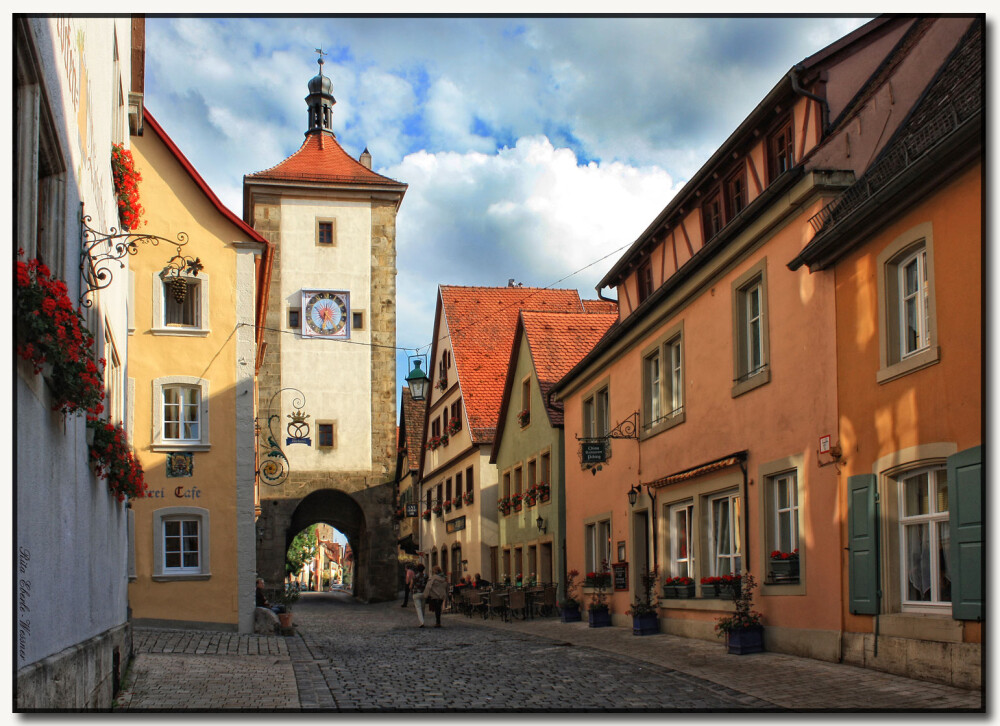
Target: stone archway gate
(365, 516)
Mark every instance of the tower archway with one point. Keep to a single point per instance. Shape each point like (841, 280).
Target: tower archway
(363, 517)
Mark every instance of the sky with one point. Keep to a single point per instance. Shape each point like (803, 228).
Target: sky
(534, 148)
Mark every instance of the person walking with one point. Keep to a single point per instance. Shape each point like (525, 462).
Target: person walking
(435, 593)
(419, 583)
(408, 585)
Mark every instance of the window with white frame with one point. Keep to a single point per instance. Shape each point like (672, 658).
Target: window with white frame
(681, 549)
(180, 304)
(924, 532)
(784, 490)
(181, 543)
(114, 383)
(912, 296)
(597, 543)
(724, 534)
(663, 382)
(751, 346)
(180, 413)
(908, 339)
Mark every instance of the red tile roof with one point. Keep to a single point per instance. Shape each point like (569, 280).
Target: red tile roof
(558, 341)
(600, 306)
(413, 415)
(321, 159)
(481, 322)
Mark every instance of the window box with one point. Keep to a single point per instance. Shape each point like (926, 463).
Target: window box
(784, 567)
(645, 624)
(468, 497)
(599, 618)
(745, 640)
(524, 418)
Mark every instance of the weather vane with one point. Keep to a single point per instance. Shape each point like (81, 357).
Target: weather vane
(321, 54)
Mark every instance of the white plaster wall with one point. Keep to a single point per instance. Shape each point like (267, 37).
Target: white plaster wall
(71, 533)
(335, 376)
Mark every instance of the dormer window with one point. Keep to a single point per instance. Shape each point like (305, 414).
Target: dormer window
(645, 278)
(780, 151)
(736, 193)
(712, 215)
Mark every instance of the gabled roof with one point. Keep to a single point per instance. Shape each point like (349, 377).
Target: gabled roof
(557, 342)
(601, 306)
(481, 322)
(267, 257)
(322, 159)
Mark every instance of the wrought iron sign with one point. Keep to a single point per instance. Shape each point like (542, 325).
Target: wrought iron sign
(96, 265)
(274, 467)
(595, 449)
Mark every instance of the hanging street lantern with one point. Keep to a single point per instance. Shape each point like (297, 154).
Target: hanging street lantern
(417, 381)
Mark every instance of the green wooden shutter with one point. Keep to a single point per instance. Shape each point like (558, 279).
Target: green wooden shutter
(965, 498)
(862, 535)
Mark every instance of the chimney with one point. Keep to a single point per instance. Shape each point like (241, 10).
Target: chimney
(365, 159)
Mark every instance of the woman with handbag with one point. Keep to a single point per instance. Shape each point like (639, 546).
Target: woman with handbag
(435, 593)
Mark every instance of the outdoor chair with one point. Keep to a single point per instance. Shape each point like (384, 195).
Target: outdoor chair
(498, 604)
(518, 604)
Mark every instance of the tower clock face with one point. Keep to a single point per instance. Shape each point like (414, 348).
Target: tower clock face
(325, 314)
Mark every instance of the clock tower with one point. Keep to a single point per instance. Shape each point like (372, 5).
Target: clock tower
(329, 349)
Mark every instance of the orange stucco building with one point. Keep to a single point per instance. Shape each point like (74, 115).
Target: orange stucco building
(732, 365)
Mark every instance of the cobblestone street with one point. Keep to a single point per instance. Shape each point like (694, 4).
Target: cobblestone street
(349, 656)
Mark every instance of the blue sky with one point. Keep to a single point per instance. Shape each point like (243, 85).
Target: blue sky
(531, 146)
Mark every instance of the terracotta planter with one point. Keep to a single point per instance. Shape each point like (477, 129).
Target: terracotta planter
(285, 619)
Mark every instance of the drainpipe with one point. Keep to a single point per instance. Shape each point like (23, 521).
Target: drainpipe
(794, 78)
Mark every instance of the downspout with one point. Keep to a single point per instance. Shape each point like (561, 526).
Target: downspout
(794, 78)
(746, 512)
(600, 296)
(878, 570)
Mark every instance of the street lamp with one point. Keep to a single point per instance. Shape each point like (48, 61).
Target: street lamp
(633, 494)
(540, 523)
(417, 381)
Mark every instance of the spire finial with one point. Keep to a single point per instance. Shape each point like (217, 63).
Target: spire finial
(320, 59)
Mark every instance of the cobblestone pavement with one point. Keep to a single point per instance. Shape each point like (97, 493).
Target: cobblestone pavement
(350, 656)
(177, 670)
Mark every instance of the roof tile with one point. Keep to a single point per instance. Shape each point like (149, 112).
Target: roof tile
(481, 323)
(321, 158)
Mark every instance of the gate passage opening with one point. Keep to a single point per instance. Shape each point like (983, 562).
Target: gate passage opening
(320, 559)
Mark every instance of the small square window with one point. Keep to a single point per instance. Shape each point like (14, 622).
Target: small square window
(645, 280)
(326, 435)
(326, 232)
(358, 319)
(780, 151)
(294, 318)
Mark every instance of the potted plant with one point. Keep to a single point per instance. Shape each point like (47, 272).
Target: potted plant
(52, 336)
(529, 497)
(743, 630)
(597, 579)
(454, 425)
(784, 566)
(679, 587)
(599, 612)
(515, 502)
(437, 509)
(447, 505)
(543, 491)
(444, 439)
(729, 586)
(126, 180)
(524, 417)
(645, 620)
(570, 607)
(112, 458)
(286, 596)
(427, 514)
(468, 497)
(433, 442)
(504, 505)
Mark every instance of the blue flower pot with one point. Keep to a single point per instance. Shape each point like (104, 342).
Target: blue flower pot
(645, 624)
(745, 640)
(599, 618)
(570, 614)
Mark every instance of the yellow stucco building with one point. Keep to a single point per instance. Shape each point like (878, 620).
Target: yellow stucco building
(191, 372)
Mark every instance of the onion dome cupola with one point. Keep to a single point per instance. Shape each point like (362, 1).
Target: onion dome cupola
(320, 101)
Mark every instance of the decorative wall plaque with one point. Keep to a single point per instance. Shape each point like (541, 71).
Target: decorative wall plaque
(180, 463)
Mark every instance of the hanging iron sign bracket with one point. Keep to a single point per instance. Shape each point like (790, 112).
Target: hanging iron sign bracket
(274, 467)
(96, 265)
